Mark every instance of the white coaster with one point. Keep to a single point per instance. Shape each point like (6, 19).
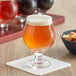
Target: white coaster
(56, 65)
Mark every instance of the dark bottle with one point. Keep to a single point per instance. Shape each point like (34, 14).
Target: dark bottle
(44, 5)
(27, 7)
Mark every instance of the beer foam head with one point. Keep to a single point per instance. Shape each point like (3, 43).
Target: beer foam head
(39, 20)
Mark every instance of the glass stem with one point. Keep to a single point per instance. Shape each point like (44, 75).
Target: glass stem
(4, 27)
(41, 12)
(22, 20)
(7, 27)
(38, 58)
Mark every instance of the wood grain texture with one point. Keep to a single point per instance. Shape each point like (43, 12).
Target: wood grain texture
(16, 48)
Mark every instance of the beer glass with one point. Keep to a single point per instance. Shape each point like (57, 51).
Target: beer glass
(8, 10)
(38, 35)
(26, 7)
(44, 5)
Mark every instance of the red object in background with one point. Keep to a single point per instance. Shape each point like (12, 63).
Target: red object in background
(18, 14)
(57, 19)
(8, 9)
(15, 31)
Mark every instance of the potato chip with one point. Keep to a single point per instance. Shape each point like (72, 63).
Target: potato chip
(71, 36)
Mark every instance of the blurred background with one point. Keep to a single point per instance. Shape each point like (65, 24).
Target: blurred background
(16, 49)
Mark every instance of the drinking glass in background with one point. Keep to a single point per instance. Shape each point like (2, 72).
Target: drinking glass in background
(38, 35)
(8, 10)
(26, 7)
(44, 5)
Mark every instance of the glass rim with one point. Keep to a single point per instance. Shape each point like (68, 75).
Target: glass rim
(39, 20)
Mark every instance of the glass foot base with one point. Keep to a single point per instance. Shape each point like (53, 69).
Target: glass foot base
(44, 64)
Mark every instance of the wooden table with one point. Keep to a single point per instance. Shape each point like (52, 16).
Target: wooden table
(16, 48)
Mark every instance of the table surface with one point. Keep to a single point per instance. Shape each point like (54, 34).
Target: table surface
(16, 48)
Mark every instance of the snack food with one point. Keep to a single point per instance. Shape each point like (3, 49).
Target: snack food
(71, 36)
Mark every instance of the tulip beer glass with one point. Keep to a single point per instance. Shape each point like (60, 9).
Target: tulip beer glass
(44, 5)
(26, 7)
(38, 35)
(8, 10)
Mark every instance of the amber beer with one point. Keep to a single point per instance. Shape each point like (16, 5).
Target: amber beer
(38, 32)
